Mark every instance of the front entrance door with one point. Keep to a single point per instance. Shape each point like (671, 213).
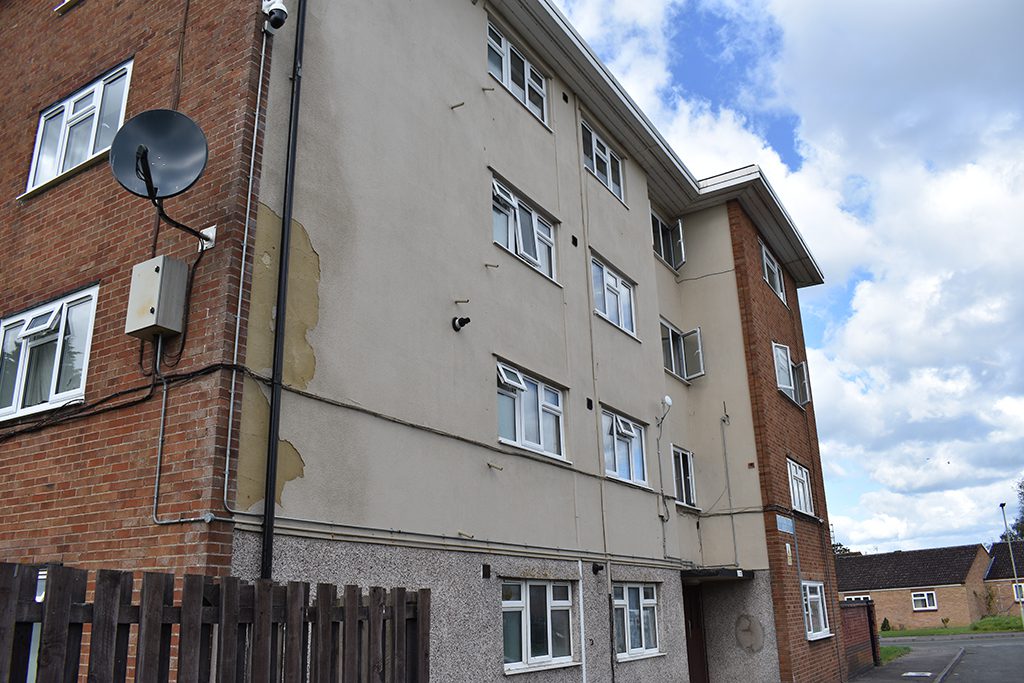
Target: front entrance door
(696, 652)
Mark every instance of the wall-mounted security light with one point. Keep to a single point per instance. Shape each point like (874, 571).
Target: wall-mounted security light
(276, 13)
(458, 323)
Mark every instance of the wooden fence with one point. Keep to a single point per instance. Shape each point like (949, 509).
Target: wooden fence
(221, 629)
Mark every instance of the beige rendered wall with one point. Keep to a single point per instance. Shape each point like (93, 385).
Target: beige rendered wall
(392, 212)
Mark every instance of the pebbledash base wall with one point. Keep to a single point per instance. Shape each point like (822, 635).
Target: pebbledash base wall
(466, 626)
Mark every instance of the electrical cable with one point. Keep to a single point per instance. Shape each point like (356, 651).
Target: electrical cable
(188, 308)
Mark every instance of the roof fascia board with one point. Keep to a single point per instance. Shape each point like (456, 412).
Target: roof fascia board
(928, 587)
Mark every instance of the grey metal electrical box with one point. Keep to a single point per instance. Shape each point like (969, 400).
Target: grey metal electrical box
(156, 301)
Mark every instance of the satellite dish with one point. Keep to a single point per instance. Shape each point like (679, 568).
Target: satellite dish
(158, 154)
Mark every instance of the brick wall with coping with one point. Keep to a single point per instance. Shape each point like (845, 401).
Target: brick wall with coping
(782, 430)
(80, 491)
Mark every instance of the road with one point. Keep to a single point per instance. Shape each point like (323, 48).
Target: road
(987, 658)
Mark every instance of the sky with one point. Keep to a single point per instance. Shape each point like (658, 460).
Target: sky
(893, 132)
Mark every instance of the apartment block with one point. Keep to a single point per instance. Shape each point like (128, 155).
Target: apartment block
(529, 360)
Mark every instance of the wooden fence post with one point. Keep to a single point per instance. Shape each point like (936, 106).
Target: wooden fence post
(108, 643)
(59, 643)
(423, 636)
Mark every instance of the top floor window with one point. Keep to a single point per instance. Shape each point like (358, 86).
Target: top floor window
(80, 127)
(44, 354)
(773, 273)
(520, 229)
(515, 72)
(602, 161)
(668, 241)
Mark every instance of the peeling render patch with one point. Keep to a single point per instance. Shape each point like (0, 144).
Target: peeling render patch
(299, 361)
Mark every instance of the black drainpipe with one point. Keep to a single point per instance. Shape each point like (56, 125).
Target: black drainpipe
(274, 431)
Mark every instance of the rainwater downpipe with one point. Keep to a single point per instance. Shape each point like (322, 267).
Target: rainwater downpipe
(277, 373)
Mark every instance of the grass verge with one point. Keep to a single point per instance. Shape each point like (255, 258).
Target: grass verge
(891, 652)
(984, 625)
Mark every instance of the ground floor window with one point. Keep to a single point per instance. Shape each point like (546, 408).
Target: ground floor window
(923, 600)
(857, 598)
(815, 612)
(636, 619)
(536, 622)
(1018, 592)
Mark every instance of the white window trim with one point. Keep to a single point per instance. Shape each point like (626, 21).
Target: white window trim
(800, 488)
(658, 228)
(508, 203)
(1018, 592)
(624, 435)
(512, 383)
(65, 105)
(815, 631)
(54, 330)
(689, 496)
(523, 608)
(930, 603)
(602, 151)
(614, 283)
(643, 650)
(677, 356)
(771, 270)
(792, 379)
(857, 598)
(533, 77)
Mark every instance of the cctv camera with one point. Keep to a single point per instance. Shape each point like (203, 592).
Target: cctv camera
(276, 13)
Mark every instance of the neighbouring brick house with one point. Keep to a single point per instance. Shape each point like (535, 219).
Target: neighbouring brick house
(1004, 594)
(918, 588)
(526, 467)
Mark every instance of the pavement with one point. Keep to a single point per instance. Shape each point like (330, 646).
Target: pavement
(974, 658)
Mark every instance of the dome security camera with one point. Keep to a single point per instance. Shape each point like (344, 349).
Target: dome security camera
(276, 13)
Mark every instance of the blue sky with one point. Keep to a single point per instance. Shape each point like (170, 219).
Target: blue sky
(894, 135)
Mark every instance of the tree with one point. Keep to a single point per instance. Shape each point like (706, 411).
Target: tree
(1017, 525)
(840, 549)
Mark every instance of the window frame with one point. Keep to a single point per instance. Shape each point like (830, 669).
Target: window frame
(857, 598)
(95, 90)
(645, 603)
(505, 49)
(659, 226)
(598, 150)
(517, 392)
(800, 488)
(1018, 592)
(798, 389)
(772, 273)
(931, 603)
(687, 481)
(619, 435)
(542, 230)
(613, 283)
(55, 331)
(819, 588)
(676, 351)
(522, 606)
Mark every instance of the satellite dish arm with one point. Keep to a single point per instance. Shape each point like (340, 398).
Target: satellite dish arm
(144, 173)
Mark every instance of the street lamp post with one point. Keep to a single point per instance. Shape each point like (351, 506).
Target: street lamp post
(1009, 547)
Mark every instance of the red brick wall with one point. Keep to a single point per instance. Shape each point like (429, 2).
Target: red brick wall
(80, 491)
(784, 430)
(860, 637)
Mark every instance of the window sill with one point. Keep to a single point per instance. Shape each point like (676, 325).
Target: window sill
(627, 482)
(529, 265)
(675, 271)
(809, 516)
(635, 658)
(41, 408)
(819, 636)
(530, 668)
(793, 401)
(621, 329)
(520, 449)
(608, 189)
(781, 297)
(65, 6)
(521, 103)
(687, 508)
(926, 609)
(58, 179)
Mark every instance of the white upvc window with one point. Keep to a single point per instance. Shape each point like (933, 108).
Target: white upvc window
(1018, 592)
(792, 378)
(800, 487)
(857, 598)
(635, 616)
(613, 296)
(923, 601)
(668, 241)
(80, 127)
(815, 610)
(682, 352)
(515, 72)
(602, 161)
(773, 273)
(686, 487)
(536, 623)
(529, 412)
(44, 354)
(623, 448)
(522, 230)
